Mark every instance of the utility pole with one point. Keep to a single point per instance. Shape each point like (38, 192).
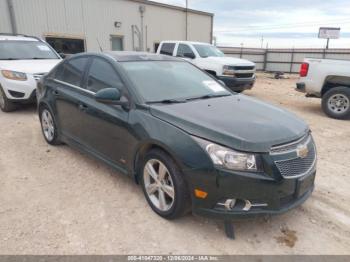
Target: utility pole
(262, 42)
(186, 20)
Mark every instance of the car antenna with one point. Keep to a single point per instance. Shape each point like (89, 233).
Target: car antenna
(99, 44)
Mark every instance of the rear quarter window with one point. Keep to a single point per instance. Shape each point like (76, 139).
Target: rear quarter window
(72, 71)
(167, 49)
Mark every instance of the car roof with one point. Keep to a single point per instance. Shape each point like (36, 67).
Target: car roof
(185, 42)
(11, 37)
(128, 56)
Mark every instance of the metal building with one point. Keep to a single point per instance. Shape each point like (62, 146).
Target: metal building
(72, 26)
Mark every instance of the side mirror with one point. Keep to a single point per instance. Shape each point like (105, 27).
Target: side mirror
(62, 55)
(189, 55)
(110, 96)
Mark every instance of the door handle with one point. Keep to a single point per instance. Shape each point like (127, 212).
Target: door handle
(83, 107)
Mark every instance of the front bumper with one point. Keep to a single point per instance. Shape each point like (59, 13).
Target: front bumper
(276, 195)
(19, 91)
(238, 84)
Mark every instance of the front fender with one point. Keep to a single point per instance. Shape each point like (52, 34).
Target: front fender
(152, 131)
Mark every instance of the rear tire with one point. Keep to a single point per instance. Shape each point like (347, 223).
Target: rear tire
(48, 126)
(336, 102)
(172, 181)
(5, 104)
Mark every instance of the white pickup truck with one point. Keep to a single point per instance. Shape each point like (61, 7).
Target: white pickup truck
(330, 80)
(237, 74)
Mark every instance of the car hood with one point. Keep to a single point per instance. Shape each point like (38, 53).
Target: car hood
(236, 121)
(29, 66)
(230, 61)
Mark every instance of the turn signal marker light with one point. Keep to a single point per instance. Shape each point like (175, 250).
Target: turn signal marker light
(200, 194)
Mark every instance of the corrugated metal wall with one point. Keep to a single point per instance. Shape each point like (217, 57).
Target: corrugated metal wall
(284, 60)
(94, 19)
(5, 25)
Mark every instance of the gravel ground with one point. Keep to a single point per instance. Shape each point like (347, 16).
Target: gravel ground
(54, 200)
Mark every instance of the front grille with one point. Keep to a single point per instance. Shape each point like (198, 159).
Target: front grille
(292, 146)
(243, 67)
(298, 166)
(249, 75)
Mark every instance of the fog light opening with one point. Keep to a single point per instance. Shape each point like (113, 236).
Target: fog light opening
(240, 205)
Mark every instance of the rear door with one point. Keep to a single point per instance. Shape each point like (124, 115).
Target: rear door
(69, 93)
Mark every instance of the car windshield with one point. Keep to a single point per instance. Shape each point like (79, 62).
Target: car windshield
(208, 50)
(172, 81)
(25, 50)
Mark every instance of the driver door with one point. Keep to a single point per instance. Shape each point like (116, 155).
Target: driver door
(105, 125)
(185, 51)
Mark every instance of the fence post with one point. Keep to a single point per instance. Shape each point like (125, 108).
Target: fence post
(241, 53)
(265, 59)
(324, 54)
(292, 61)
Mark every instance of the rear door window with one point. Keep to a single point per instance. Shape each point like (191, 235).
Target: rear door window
(167, 49)
(73, 71)
(102, 75)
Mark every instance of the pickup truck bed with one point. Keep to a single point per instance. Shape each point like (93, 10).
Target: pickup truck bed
(330, 80)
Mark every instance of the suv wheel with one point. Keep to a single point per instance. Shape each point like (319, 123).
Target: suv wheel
(5, 104)
(336, 102)
(48, 126)
(164, 186)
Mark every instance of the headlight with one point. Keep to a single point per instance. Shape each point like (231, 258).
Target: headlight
(228, 70)
(13, 75)
(230, 159)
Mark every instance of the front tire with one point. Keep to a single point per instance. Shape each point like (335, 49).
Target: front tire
(336, 102)
(5, 104)
(164, 185)
(48, 126)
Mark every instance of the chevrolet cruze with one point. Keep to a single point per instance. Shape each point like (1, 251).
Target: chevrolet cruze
(187, 139)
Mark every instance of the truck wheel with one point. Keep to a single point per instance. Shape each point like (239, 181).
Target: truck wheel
(336, 102)
(5, 104)
(164, 185)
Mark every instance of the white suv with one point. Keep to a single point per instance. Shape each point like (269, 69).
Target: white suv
(23, 61)
(238, 74)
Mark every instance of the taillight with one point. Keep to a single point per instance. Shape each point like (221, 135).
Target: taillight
(304, 69)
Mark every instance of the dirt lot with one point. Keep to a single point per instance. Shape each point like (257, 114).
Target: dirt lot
(54, 200)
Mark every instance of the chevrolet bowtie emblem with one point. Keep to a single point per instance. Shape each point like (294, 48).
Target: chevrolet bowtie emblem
(302, 151)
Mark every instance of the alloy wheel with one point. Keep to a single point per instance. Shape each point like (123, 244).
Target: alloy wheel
(47, 125)
(159, 185)
(338, 103)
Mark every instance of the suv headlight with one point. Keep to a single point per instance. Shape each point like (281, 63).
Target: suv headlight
(228, 70)
(13, 75)
(230, 159)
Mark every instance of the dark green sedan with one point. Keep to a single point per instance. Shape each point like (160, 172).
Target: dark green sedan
(188, 140)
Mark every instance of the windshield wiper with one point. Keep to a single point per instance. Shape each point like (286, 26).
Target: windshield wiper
(167, 101)
(207, 97)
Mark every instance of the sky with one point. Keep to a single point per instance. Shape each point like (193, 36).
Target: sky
(281, 23)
